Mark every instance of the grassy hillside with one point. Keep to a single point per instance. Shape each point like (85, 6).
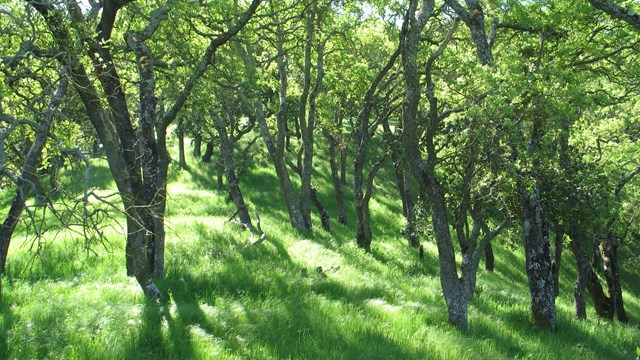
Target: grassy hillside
(269, 302)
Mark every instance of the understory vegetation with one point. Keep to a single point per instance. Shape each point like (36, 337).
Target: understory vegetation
(271, 301)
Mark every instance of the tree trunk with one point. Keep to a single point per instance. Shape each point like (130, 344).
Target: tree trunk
(489, 258)
(343, 165)
(208, 153)
(307, 120)
(306, 125)
(557, 257)
(276, 147)
(219, 166)
(140, 256)
(424, 171)
(405, 189)
(335, 177)
(324, 215)
(182, 162)
(197, 144)
(277, 157)
(226, 149)
(583, 270)
(410, 211)
(609, 251)
(10, 222)
(363, 237)
(602, 303)
(538, 259)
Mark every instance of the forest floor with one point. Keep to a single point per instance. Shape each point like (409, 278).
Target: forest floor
(296, 295)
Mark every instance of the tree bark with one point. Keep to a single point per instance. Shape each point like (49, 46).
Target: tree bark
(324, 215)
(616, 11)
(538, 258)
(276, 147)
(197, 143)
(583, 273)
(226, 149)
(208, 152)
(182, 162)
(557, 258)
(308, 120)
(307, 124)
(362, 135)
(277, 157)
(335, 176)
(455, 294)
(609, 251)
(489, 258)
(405, 189)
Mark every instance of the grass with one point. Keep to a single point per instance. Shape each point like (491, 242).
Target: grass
(268, 302)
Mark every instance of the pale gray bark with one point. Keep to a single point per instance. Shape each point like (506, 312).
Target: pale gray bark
(616, 11)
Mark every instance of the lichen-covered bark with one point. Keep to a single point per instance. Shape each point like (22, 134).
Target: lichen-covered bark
(473, 17)
(455, 296)
(616, 11)
(538, 259)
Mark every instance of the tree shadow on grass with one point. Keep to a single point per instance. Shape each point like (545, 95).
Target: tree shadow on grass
(150, 340)
(272, 320)
(260, 303)
(511, 332)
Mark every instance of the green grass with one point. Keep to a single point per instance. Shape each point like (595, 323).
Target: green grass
(268, 302)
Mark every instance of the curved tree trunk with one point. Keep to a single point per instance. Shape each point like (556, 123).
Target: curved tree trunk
(307, 121)
(324, 215)
(226, 149)
(405, 189)
(11, 220)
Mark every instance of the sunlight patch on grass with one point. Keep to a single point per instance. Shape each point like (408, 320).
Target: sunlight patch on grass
(313, 255)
